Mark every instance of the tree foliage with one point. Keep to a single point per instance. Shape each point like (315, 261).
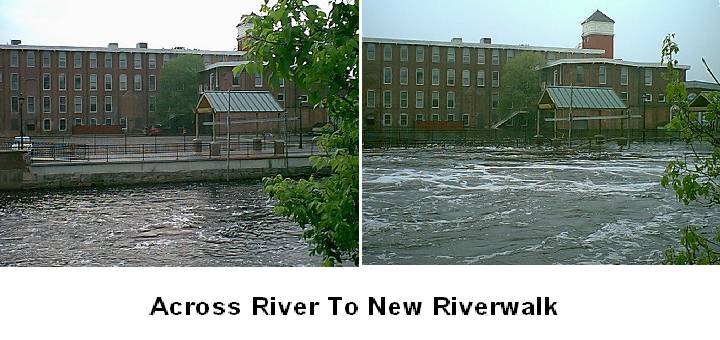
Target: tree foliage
(178, 94)
(694, 178)
(520, 85)
(318, 51)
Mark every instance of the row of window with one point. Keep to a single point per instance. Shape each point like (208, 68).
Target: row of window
(62, 56)
(93, 82)
(435, 54)
(420, 99)
(62, 123)
(435, 77)
(602, 76)
(63, 104)
(419, 117)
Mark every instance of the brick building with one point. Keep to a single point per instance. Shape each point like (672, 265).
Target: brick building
(408, 81)
(65, 86)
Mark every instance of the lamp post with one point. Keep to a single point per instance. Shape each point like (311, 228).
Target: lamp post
(21, 100)
(299, 105)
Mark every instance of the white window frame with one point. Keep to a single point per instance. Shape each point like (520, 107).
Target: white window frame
(371, 52)
(77, 60)
(480, 78)
(387, 52)
(152, 82)
(435, 57)
(447, 101)
(122, 61)
(404, 53)
(404, 72)
(14, 59)
(419, 117)
(419, 76)
(466, 56)
(93, 79)
(62, 82)
(496, 56)
(30, 58)
(93, 121)
(624, 96)
(62, 59)
(107, 82)
(481, 56)
(47, 108)
(403, 97)
(450, 76)
(602, 75)
(400, 122)
(387, 99)
(661, 97)
(28, 101)
(62, 124)
(387, 119)
(137, 61)
(137, 80)
(14, 81)
(495, 78)
(450, 117)
(648, 97)
(123, 80)
(108, 100)
(466, 119)
(624, 75)
(370, 94)
(49, 124)
(62, 108)
(77, 77)
(78, 119)
(77, 104)
(419, 54)
(48, 77)
(435, 100)
(466, 77)
(93, 100)
(93, 59)
(435, 76)
(419, 99)
(108, 57)
(387, 75)
(451, 55)
(435, 117)
(648, 71)
(152, 61)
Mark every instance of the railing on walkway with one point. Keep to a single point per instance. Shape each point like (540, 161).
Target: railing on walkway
(71, 152)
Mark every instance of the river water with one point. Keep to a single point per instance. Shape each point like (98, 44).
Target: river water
(197, 224)
(522, 206)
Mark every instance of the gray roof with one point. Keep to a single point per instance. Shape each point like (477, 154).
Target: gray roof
(242, 101)
(118, 49)
(610, 61)
(597, 98)
(459, 43)
(703, 85)
(598, 16)
(225, 64)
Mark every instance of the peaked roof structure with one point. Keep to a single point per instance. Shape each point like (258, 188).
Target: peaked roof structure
(589, 98)
(599, 16)
(240, 101)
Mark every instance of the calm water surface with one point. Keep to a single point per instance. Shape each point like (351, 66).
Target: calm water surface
(165, 225)
(521, 206)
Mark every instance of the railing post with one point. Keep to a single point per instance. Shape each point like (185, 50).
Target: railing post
(143, 152)
(107, 153)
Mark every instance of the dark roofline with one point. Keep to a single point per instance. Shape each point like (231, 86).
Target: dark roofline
(598, 16)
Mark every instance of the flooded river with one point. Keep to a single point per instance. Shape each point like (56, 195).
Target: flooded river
(522, 206)
(164, 225)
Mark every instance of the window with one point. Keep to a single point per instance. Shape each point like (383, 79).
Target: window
(93, 82)
(371, 51)
(555, 77)
(46, 59)
(62, 85)
(62, 124)
(108, 121)
(435, 117)
(152, 84)
(137, 81)
(450, 117)
(481, 56)
(46, 81)
(419, 76)
(14, 81)
(466, 120)
(137, 61)
(624, 96)
(152, 103)
(281, 82)
(258, 80)
(450, 100)
(47, 124)
(62, 59)
(419, 117)
(14, 59)
(403, 99)
(466, 77)
(281, 97)
(108, 82)
(236, 79)
(451, 77)
(419, 54)
(108, 60)
(435, 54)
(14, 104)
(78, 82)
(661, 97)
(496, 79)
(93, 104)
(387, 52)
(78, 104)
(403, 119)
(387, 120)
(451, 55)
(648, 97)
(387, 99)
(123, 122)
(371, 98)
(93, 60)
(123, 61)
(77, 60)
(481, 78)
(466, 55)
(303, 98)
(62, 104)
(152, 61)
(602, 77)
(435, 98)
(403, 53)
(495, 100)
(496, 57)
(551, 56)
(510, 54)
(123, 82)
(30, 104)
(403, 76)
(46, 104)
(93, 121)
(648, 77)
(419, 99)
(579, 74)
(78, 121)
(624, 76)
(30, 56)
(435, 76)
(387, 75)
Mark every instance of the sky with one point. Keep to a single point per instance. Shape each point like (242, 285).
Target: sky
(207, 24)
(640, 25)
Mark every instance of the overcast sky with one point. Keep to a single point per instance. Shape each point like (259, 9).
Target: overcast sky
(206, 24)
(640, 25)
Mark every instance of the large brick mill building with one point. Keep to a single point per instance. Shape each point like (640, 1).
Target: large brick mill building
(409, 82)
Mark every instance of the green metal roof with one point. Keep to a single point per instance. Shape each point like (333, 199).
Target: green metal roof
(242, 101)
(597, 98)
